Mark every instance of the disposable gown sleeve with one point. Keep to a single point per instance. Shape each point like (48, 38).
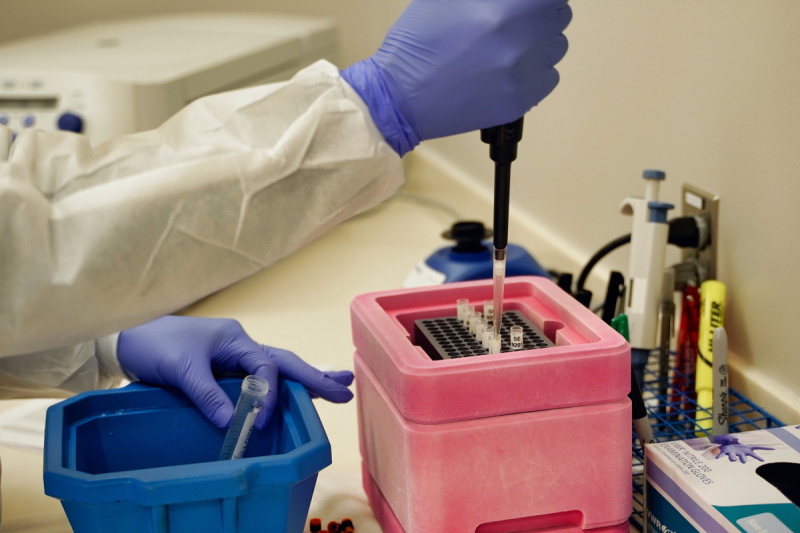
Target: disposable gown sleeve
(97, 240)
(61, 372)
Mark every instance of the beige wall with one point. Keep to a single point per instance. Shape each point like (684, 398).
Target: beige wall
(708, 91)
(363, 23)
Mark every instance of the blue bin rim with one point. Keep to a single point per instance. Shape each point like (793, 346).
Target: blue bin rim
(183, 483)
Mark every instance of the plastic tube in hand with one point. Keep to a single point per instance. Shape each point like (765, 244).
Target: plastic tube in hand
(254, 390)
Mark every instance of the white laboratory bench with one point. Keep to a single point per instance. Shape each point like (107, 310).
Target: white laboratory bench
(302, 304)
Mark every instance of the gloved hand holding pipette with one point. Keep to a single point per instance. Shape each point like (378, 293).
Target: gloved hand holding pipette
(184, 352)
(449, 67)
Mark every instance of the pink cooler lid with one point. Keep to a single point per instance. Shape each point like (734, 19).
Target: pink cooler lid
(590, 363)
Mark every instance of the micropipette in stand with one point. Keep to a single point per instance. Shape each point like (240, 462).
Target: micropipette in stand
(254, 390)
(649, 235)
(502, 141)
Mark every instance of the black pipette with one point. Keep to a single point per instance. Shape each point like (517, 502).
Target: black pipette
(502, 141)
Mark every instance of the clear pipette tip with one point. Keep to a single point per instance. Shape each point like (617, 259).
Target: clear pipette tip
(499, 275)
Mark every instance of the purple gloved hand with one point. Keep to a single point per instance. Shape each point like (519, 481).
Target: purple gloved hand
(184, 352)
(733, 449)
(453, 66)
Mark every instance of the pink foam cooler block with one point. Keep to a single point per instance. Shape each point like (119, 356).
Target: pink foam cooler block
(494, 443)
(590, 363)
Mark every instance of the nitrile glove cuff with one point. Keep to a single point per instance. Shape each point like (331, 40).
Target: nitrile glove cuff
(386, 105)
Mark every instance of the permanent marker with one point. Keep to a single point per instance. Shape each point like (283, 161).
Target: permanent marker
(720, 366)
(640, 422)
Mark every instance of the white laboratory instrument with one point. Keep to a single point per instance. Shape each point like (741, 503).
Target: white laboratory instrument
(114, 78)
(649, 234)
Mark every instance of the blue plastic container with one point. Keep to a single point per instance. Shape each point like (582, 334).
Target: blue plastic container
(144, 460)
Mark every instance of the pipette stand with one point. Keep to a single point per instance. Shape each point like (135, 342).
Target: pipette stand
(493, 443)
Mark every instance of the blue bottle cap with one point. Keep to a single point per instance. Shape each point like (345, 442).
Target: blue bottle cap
(652, 174)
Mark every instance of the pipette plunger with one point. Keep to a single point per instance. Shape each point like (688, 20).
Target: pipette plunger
(502, 141)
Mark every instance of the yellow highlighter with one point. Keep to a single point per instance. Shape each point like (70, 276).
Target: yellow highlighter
(712, 316)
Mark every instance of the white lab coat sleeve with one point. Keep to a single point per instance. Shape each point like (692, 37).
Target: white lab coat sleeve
(97, 240)
(108, 362)
(59, 372)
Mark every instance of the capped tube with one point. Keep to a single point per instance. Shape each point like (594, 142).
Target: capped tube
(497, 345)
(480, 327)
(473, 321)
(461, 307)
(486, 338)
(467, 313)
(516, 337)
(488, 310)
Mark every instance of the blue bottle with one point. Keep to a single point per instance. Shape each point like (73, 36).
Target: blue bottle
(470, 259)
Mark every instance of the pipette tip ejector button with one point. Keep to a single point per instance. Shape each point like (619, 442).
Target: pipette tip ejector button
(658, 211)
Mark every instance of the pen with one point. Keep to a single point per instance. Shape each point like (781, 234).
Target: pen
(712, 316)
(643, 430)
(667, 324)
(584, 297)
(565, 282)
(616, 286)
(720, 366)
(686, 352)
(667, 316)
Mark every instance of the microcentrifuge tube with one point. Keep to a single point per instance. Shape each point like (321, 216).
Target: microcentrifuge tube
(461, 306)
(473, 321)
(486, 338)
(516, 337)
(488, 310)
(497, 345)
(480, 327)
(254, 390)
(467, 313)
